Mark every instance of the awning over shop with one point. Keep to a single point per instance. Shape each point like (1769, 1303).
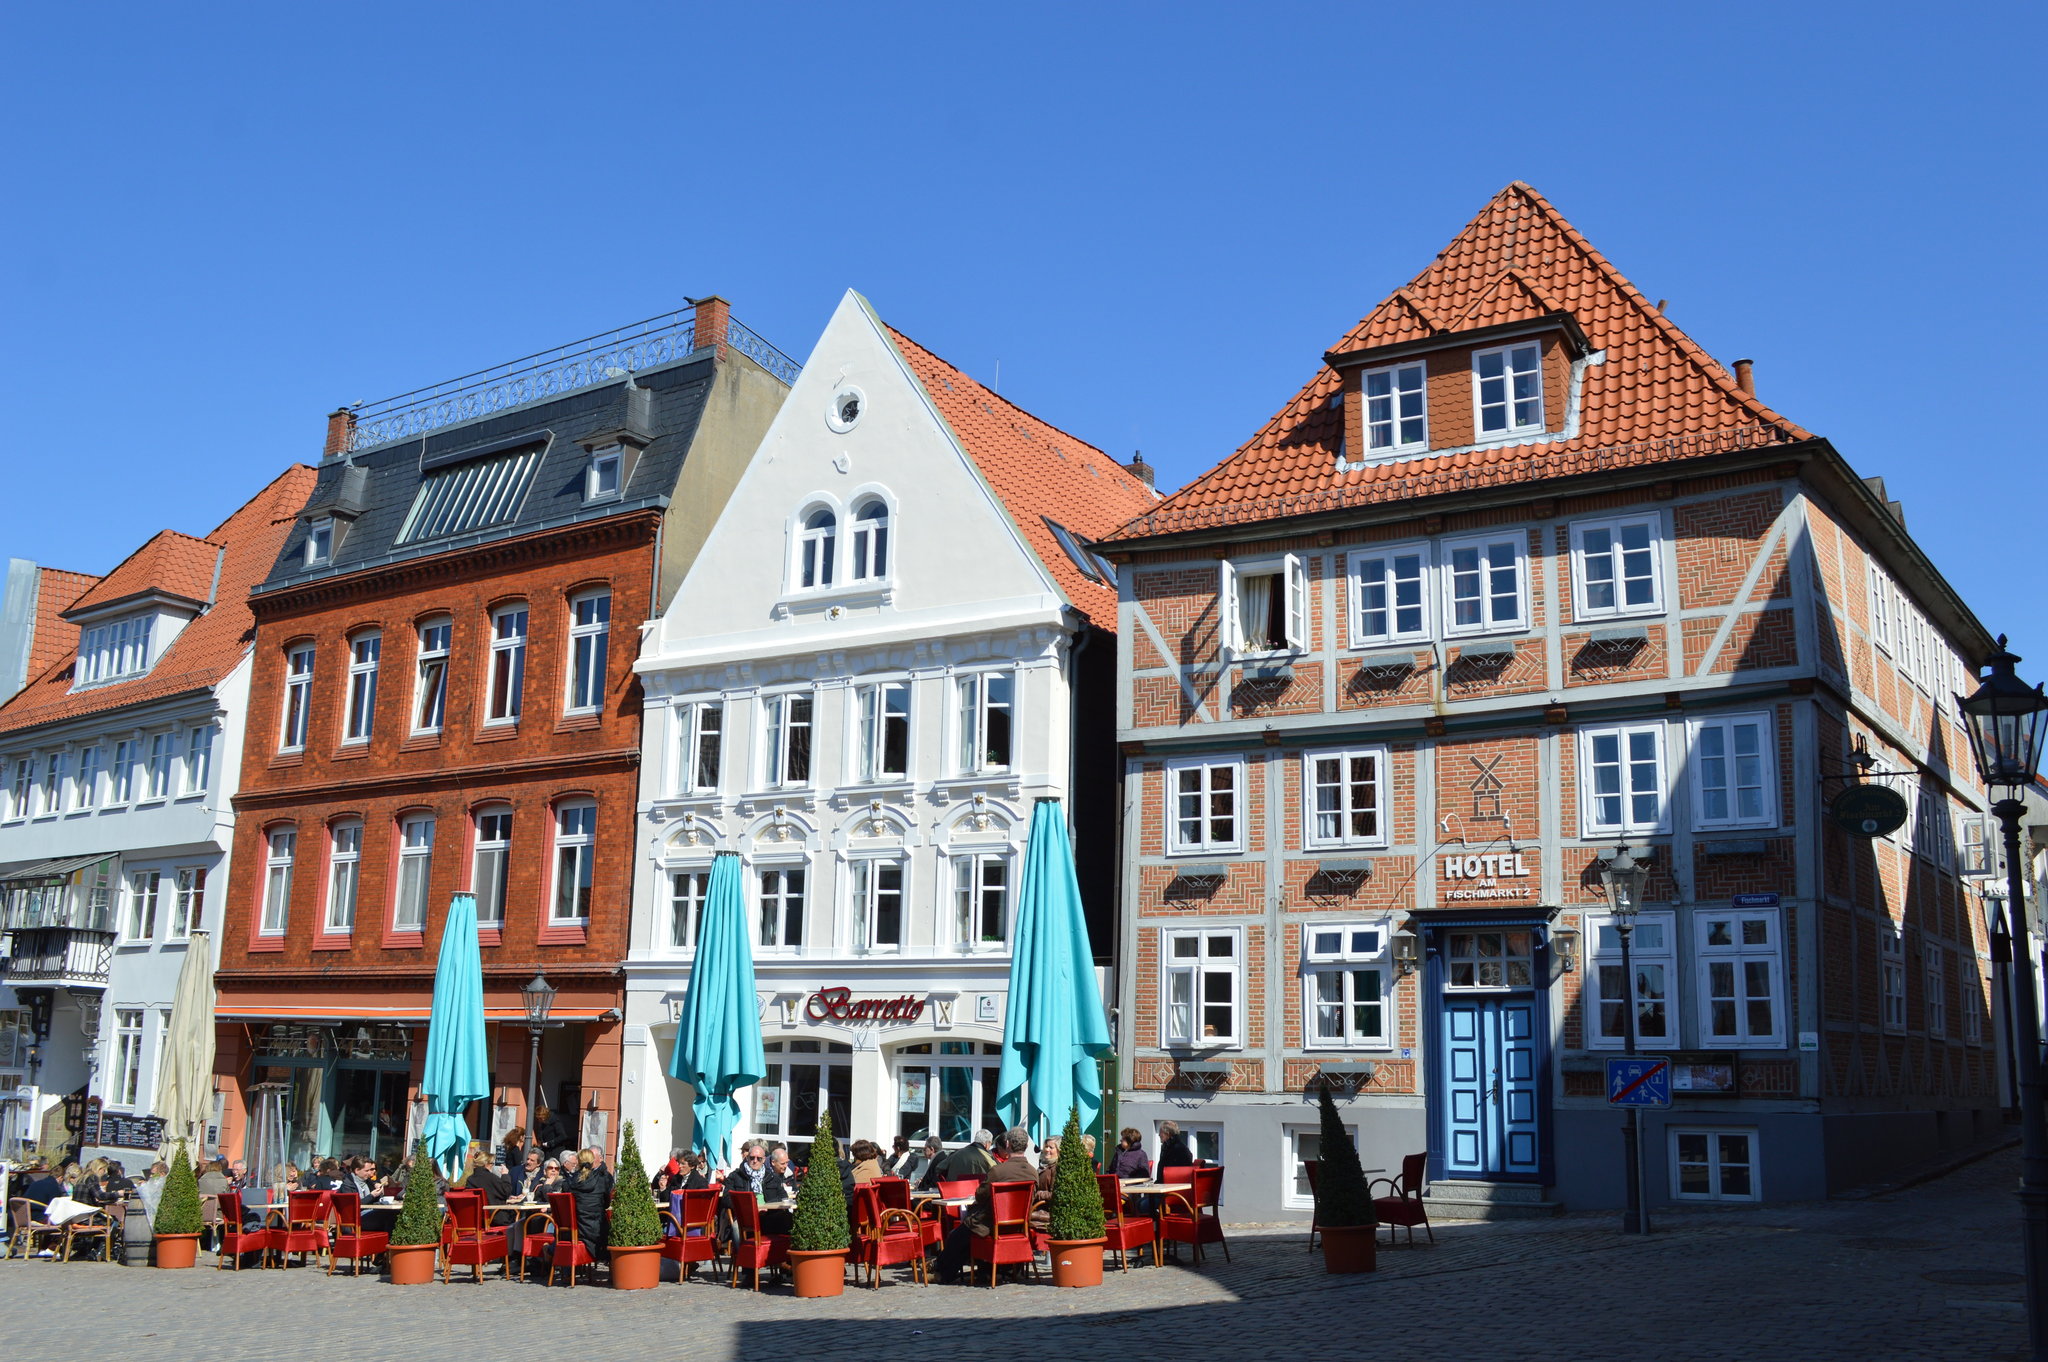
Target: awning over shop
(19, 873)
(401, 1012)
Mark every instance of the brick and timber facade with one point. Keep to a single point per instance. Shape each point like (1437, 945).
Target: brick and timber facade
(1520, 578)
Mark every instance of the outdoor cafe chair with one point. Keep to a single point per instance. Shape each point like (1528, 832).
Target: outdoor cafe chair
(1009, 1237)
(535, 1243)
(751, 1248)
(1120, 1232)
(305, 1229)
(955, 1191)
(99, 1225)
(693, 1215)
(895, 1195)
(236, 1239)
(350, 1239)
(467, 1241)
(27, 1235)
(1406, 1206)
(567, 1249)
(886, 1236)
(1190, 1217)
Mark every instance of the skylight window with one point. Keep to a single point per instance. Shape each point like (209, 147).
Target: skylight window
(467, 496)
(1093, 565)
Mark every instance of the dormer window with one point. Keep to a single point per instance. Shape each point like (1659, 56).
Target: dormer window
(1395, 418)
(1509, 386)
(114, 650)
(320, 541)
(605, 475)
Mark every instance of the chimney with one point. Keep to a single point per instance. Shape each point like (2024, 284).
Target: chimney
(713, 315)
(1743, 377)
(341, 432)
(1139, 469)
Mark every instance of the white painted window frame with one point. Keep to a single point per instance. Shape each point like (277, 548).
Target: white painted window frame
(1344, 961)
(1393, 373)
(1739, 955)
(1447, 573)
(1512, 430)
(1206, 845)
(1765, 724)
(1591, 823)
(1311, 836)
(1356, 577)
(344, 877)
(1713, 1133)
(1599, 955)
(1582, 606)
(1198, 972)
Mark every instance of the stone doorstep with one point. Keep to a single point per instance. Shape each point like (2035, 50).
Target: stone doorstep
(1456, 1199)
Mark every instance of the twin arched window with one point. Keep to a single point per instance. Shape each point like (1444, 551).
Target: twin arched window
(818, 545)
(819, 548)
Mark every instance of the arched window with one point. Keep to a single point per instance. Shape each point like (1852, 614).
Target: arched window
(871, 542)
(818, 547)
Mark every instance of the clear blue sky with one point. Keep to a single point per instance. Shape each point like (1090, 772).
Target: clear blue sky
(223, 222)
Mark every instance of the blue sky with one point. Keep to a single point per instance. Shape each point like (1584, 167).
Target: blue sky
(225, 221)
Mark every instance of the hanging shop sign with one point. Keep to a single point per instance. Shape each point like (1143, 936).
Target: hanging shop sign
(1869, 810)
(839, 1004)
(1480, 877)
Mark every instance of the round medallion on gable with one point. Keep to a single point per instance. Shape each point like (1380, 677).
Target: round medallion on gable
(843, 413)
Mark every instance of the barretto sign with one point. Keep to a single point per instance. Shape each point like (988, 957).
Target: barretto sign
(839, 1004)
(1480, 877)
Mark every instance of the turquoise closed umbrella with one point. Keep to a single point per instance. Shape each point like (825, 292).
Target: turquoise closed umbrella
(718, 1038)
(1054, 1030)
(458, 1066)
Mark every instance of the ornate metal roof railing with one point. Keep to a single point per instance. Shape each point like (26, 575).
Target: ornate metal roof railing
(743, 339)
(1541, 462)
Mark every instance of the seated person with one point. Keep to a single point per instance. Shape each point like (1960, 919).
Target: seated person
(979, 1218)
(754, 1175)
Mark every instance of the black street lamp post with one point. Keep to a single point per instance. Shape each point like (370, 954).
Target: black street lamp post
(539, 996)
(1624, 877)
(2007, 721)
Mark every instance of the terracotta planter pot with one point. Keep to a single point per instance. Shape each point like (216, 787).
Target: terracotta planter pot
(636, 1269)
(1077, 1262)
(412, 1264)
(177, 1250)
(1350, 1248)
(819, 1274)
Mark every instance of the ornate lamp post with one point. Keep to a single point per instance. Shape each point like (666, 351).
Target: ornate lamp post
(539, 996)
(1624, 877)
(2007, 721)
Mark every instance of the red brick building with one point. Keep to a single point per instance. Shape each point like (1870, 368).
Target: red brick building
(443, 701)
(1521, 577)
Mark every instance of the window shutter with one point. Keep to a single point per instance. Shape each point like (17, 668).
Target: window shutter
(1226, 608)
(1297, 603)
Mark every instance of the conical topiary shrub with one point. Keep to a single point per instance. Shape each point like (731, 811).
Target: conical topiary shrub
(635, 1239)
(1076, 1205)
(178, 1211)
(1344, 1209)
(419, 1218)
(819, 1225)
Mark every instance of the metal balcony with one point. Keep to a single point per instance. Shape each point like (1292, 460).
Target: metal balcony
(64, 956)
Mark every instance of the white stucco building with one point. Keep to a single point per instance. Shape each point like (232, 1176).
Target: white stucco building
(893, 643)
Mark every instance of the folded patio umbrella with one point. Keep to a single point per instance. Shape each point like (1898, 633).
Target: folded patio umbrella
(458, 1068)
(1054, 1029)
(184, 1092)
(718, 1039)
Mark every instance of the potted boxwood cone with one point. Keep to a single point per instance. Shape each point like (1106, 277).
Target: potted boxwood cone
(416, 1235)
(1075, 1210)
(177, 1215)
(817, 1232)
(635, 1240)
(1344, 1209)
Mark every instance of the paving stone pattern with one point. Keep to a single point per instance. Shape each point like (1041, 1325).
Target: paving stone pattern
(1837, 1280)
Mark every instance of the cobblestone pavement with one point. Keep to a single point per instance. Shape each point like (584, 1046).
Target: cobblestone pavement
(1836, 1280)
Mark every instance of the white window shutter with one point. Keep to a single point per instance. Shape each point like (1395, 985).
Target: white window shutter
(1297, 603)
(1226, 608)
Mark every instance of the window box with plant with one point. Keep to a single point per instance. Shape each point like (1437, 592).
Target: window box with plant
(1075, 1212)
(818, 1240)
(1344, 1209)
(635, 1239)
(416, 1234)
(177, 1214)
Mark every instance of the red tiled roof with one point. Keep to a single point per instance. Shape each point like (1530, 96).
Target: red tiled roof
(209, 647)
(175, 564)
(1038, 471)
(1518, 260)
(55, 638)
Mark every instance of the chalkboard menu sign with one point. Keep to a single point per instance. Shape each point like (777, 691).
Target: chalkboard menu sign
(131, 1132)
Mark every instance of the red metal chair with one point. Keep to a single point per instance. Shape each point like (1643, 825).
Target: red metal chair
(895, 1194)
(1190, 1217)
(694, 1216)
(467, 1239)
(304, 1230)
(1121, 1232)
(350, 1239)
(535, 1243)
(567, 1249)
(236, 1241)
(750, 1248)
(1406, 1206)
(954, 1191)
(1315, 1215)
(1009, 1236)
(886, 1236)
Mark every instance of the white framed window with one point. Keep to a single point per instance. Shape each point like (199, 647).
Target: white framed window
(604, 476)
(700, 733)
(114, 651)
(1396, 415)
(508, 665)
(1653, 960)
(1344, 978)
(320, 540)
(188, 909)
(1970, 999)
(1714, 1164)
(1741, 991)
(985, 711)
(86, 793)
(298, 698)
(1390, 596)
(1616, 569)
(1204, 1141)
(884, 731)
(1202, 972)
(282, 845)
(1974, 857)
(127, 1056)
(575, 861)
(1305, 1146)
(145, 890)
(787, 735)
(1622, 775)
(1734, 781)
(817, 549)
(488, 858)
(1485, 587)
(121, 775)
(1891, 978)
(415, 872)
(870, 541)
(1346, 804)
(981, 899)
(157, 782)
(1489, 961)
(782, 907)
(1507, 388)
(430, 678)
(1880, 604)
(53, 784)
(590, 631)
(686, 892)
(1205, 815)
(344, 874)
(199, 759)
(1265, 605)
(20, 791)
(364, 650)
(877, 903)
(1934, 1003)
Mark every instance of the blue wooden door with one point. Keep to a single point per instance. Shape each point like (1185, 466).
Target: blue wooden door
(1491, 1107)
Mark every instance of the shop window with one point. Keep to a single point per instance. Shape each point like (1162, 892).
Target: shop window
(803, 1078)
(948, 1090)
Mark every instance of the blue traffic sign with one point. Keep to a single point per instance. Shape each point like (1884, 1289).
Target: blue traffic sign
(1639, 1081)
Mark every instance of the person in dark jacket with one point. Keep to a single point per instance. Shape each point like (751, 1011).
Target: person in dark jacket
(970, 1161)
(42, 1188)
(498, 1190)
(585, 1178)
(979, 1219)
(696, 1174)
(754, 1175)
(550, 1130)
(1173, 1150)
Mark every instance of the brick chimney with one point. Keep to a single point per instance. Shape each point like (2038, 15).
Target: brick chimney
(1744, 378)
(1139, 469)
(341, 429)
(714, 315)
